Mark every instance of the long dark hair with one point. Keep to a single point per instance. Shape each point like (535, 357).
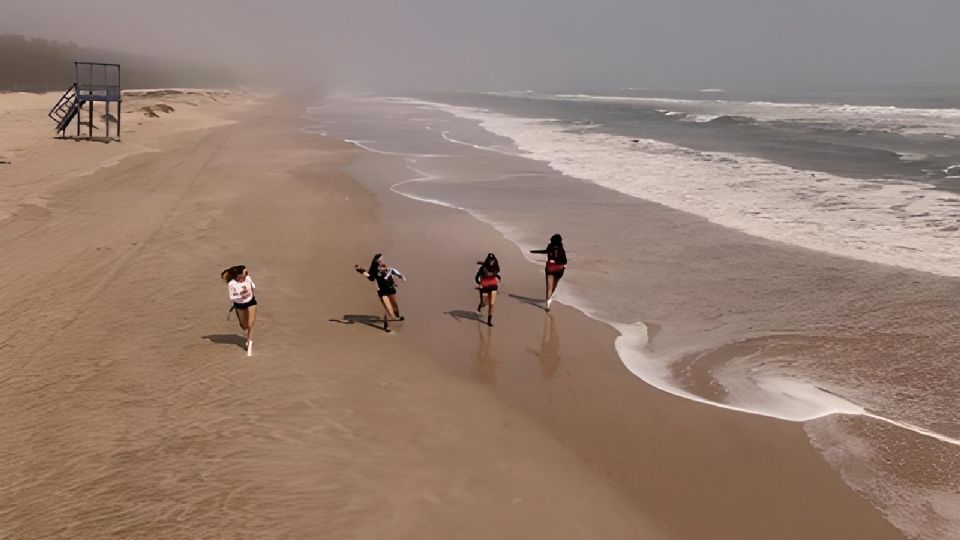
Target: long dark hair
(491, 264)
(555, 250)
(232, 273)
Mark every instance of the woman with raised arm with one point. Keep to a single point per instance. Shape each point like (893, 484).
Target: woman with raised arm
(241, 289)
(556, 264)
(386, 286)
(488, 281)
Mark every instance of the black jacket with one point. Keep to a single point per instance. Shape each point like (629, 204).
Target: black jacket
(555, 253)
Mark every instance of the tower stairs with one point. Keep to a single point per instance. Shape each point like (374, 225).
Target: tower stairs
(65, 110)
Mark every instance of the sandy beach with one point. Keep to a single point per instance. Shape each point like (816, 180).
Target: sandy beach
(130, 409)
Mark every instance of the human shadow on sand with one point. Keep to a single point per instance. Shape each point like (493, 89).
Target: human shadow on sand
(227, 339)
(372, 321)
(535, 302)
(458, 314)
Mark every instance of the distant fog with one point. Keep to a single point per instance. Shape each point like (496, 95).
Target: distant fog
(496, 44)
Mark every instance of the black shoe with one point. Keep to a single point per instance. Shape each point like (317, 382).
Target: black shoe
(479, 307)
(399, 318)
(386, 328)
(489, 320)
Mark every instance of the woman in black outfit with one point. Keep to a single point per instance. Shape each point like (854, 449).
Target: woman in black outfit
(386, 286)
(556, 264)
(488, 280)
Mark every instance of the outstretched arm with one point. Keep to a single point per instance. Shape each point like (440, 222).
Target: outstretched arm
(362, 272)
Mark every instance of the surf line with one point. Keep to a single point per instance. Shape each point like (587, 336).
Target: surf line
(365, 146)
(633, 338)
(629, 347)
(446, 136)
(423, 176)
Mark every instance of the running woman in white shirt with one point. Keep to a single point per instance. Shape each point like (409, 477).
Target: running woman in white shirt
(241, 290)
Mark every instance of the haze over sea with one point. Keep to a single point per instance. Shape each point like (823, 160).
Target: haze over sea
(793, 256)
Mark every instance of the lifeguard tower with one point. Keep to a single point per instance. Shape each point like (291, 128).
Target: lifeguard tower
(92, 82)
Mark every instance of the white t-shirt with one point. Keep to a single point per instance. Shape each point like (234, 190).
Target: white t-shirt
(241, 292)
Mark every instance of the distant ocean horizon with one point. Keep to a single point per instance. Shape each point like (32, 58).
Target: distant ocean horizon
(852, 316)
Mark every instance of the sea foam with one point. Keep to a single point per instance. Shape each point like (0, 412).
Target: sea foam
(906, 224)
(905, 120)
(753, 195)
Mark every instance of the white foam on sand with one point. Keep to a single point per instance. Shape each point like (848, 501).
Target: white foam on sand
(446, 136)
(752, 392)
(368, 146)
(774, 396)
(421, 176)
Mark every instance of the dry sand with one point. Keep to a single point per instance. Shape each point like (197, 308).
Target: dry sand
(129, 409)
(37, 164)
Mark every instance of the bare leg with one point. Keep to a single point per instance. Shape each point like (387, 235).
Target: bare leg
(387, 309)
(480, 305)
(242, 318)
(491, 299)
(396, 306)
(251, 318)
(551, 286)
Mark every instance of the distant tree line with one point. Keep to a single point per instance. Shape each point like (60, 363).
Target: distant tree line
(40, 65)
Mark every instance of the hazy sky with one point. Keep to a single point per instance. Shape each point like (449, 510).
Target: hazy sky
(518, 44)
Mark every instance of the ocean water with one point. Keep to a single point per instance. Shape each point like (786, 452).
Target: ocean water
(789, 256)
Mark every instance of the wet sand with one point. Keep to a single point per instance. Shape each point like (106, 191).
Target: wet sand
(752, 324)
(130, 410)
(701, 471)
(731, 310)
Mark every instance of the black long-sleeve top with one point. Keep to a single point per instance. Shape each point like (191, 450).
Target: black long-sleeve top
(554, 252)
(484, 271)
(385, 281)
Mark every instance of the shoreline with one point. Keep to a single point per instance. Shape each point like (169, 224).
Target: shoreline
(442, 428)
(612, 373)
(324, 431)
(817, 402)
(748, 317)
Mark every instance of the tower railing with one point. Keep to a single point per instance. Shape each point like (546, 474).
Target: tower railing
(93, 82)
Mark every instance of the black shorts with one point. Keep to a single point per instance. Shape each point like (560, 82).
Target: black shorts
(490, 289)
(252, 302)
(557, 275)
(386, 292)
